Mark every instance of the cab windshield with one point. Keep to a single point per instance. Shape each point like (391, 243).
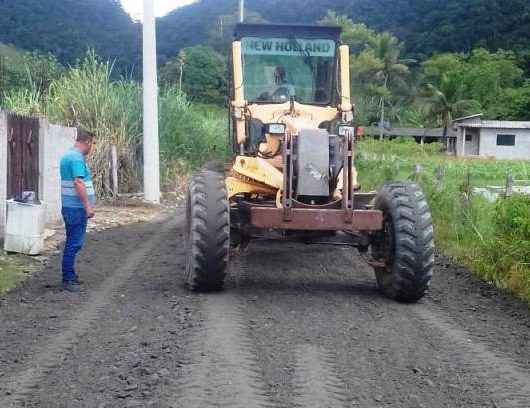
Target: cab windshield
(278, 69)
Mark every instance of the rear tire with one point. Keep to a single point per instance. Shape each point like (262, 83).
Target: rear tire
(405, 246)
(207, 231)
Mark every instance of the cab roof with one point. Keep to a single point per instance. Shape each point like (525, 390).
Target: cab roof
(287, 31)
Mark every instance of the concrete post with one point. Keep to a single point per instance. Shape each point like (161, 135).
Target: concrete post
(464, 133)
(150, 141)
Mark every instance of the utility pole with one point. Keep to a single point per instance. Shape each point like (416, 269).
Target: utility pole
(241, 10)
(150, 87)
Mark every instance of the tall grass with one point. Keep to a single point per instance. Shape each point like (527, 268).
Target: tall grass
(190, 134)
(85, 96)
(493, 239)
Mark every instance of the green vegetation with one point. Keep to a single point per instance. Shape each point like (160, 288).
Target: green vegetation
(493, 239)
(414, 63)
(395, 90)
(13, 270)
(68, 28)
(200, 72)
(425, 26)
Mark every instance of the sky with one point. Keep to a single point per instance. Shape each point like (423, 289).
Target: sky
(162, 7)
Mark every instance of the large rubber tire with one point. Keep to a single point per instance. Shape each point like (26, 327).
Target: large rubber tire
(406, 244)
(207, 231)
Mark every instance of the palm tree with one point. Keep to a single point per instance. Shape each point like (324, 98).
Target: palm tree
(446, 101)
(393, 69)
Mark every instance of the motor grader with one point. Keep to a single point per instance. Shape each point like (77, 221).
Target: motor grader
(292, 175)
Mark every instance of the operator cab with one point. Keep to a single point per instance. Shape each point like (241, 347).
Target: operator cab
(280, 64)
(286, 78)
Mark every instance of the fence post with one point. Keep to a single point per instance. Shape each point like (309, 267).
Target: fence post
(114, 166)
(439, 176)
(509, 185)
(467, 189)
(440, 173)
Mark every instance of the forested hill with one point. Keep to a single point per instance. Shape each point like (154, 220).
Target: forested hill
(67, 28)
(426, 26)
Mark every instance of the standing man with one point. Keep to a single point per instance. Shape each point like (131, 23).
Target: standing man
(78, 200)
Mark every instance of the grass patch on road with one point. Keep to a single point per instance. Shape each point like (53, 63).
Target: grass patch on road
(13, 270)
(491, 238)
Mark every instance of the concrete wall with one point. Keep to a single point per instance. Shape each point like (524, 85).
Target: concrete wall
(54, 141)
(3, 171)
(484, 143)
(489, 148)
(471, 146)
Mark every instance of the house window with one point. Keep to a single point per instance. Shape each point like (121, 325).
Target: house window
(469, 137)
(505, 140)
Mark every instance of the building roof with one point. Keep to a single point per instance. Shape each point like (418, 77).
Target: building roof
(411, 132)
(476, 121)
(496, 124)
(477, 115)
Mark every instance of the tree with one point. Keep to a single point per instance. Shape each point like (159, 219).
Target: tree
(512, 104)
(446, 101)
(491, 79)
(377, 68)
(203, 70)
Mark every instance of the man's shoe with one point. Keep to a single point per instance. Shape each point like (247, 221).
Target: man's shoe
(71, 286)
(79, 281)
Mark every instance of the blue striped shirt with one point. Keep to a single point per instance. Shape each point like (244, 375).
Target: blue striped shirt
(73, 165)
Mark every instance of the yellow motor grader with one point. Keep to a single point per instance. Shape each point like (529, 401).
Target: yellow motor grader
(293, 175)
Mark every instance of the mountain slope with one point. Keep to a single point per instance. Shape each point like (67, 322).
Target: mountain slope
(426, 26)
(67, 28)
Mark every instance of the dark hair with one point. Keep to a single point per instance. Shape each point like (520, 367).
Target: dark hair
(84, 135)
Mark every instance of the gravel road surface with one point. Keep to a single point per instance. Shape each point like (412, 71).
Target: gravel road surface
(297, 326)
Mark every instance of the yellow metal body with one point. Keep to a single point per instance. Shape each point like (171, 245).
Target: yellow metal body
(260, 170)
(255, 175)
(346, 106)
(236, 186)
(239, 93)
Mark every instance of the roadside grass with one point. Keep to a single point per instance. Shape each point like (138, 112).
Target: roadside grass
(13, 270)
(492, 239)
(190, 135)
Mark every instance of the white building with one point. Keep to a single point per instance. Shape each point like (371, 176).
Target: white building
(492, 138)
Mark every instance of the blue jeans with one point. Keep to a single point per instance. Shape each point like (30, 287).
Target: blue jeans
(75, 221)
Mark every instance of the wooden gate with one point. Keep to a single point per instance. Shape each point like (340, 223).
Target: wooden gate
(22, 155)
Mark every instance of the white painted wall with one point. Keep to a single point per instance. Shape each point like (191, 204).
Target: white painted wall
(489, 148)
(54, 141)
(3, 171)
(488, 143)
(472, 146)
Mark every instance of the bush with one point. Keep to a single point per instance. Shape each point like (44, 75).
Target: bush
(190, 134)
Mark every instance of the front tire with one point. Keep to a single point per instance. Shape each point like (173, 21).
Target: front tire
(207, 231)
(404, 250)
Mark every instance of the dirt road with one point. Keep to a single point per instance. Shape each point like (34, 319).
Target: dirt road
(298, 326)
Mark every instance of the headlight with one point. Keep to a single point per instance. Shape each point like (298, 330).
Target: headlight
(346, 130)
(276, 128)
